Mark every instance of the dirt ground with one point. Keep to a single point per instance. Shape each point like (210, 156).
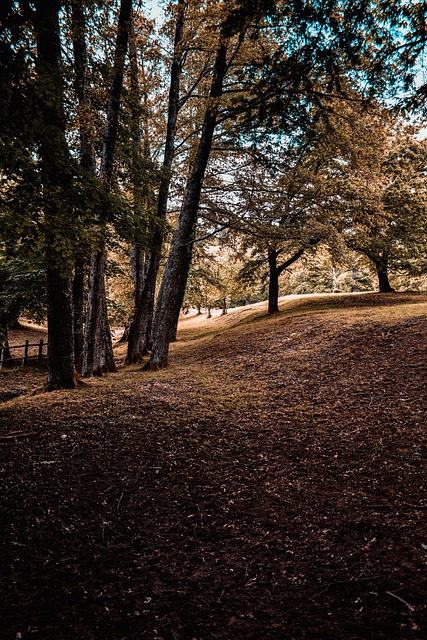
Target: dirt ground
(269, 485)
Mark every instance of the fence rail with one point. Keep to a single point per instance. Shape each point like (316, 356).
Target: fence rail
(38, 354)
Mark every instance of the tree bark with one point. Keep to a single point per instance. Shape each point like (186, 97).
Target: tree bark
(178, 264)
(273, 282)
(87, 161)
(4, 342)
(139, 339)
(138, 257)
(60, 353)
(54, 162)
(78, 287)
(275, 270)
(81, 83)
(98, 343)
(384, 285)
(98, 349)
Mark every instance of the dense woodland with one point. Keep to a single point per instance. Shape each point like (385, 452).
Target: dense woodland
(223, 153)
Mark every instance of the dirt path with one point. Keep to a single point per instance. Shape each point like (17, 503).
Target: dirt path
(269, 485)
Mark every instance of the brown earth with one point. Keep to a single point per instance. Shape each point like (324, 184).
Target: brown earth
(271, 484)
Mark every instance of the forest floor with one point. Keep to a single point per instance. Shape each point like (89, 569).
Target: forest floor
(270, 484)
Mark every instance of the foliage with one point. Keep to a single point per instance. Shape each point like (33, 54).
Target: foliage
(214, 279)
(384, 196)
(22, 290)
(324, 274)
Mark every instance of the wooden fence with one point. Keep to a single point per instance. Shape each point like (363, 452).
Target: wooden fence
(36, 352)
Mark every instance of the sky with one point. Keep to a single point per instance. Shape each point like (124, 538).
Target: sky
(154, 8)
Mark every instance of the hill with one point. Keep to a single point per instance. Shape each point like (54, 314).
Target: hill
(270, 484)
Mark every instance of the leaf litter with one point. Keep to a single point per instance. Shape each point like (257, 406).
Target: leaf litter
(270, 484)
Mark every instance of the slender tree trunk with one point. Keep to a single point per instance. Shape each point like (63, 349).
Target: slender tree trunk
(178, 264)
(98, 349)
(275, 270)
(179, 298)
(139, 266)
(87, 161)
(273, 282)
(4, 342)
(86, 133)
(97, 331)
(139, 339)
(54, 160)
(138, 259)
(78, 312)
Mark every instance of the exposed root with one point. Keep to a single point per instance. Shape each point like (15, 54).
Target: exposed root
(154, 366)
(80, 382)
(74, 383)
(138, 358)
(14, 435)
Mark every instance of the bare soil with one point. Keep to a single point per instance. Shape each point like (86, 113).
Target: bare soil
(269, 485)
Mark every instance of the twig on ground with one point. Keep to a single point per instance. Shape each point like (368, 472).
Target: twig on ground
(20, 434)
(394, 595)
(416, 506)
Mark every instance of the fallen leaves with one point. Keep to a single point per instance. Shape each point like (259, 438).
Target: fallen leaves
(269, 484)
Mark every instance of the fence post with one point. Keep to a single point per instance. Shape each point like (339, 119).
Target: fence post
(41, 350)
(25, 358)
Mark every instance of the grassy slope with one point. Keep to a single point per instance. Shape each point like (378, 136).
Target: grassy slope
(269, 484)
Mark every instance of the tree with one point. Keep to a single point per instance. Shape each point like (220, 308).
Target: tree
(172, 290)
(139, 340)
(213, 280)
(87, 160)
(229, 39)
(384, 197)
(261, 77)
(48, 198)
(279, 204)
(98, 350)
(55, 175)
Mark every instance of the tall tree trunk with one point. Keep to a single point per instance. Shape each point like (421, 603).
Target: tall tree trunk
(138, 265)
(139, 340)
(78, 287)
(86, 133)
(98, 350)
(54, 162)
(273, 282)
(60, 353)
(179, 298)
(87, 161)
(98, 341)
(138, 257)
(178, 264)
